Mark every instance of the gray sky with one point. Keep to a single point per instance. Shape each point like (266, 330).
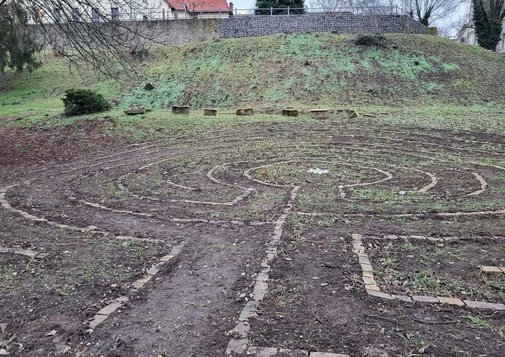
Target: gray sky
(244, 4)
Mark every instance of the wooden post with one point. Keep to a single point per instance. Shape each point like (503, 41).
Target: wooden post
(209, 112)
(290, 112)
(180, 109)
(245, 111)
(320, 113)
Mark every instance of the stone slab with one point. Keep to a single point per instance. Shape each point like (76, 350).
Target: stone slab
(368, 274)
(478, 304)
(261, 351)
(450, 301)
(366, 267)
(499, 307)
(364, 260)
(292, 353)
(404, 298)
(97, 320)
(379, 294)
(424, 298)
(490, 269)
(237, 346)
(109, 309)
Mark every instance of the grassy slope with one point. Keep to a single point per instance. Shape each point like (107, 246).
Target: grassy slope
(321, 68)
(423, 80)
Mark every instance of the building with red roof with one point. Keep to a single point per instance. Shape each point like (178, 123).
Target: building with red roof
(196, 9)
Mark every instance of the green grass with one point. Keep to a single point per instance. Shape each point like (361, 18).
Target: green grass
(432, 75)
(8, 278)
(477, 321)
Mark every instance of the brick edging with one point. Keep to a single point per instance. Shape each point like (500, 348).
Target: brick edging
(373, 289)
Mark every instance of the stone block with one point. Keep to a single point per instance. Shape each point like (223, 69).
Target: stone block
(260, 289)
(368, 281)
(140, 282)
(491, 269)
(478, 305)
(499, 307)
(404, 298)
(368, 274)
(180, 109)
(291, 353)
(424, 298)
(209, 112)
(351, 114)
(109, 309)
(290, 112)
(97, 320)
(261, 351)
(135, 111)
(249, 310)
(418, 237)
(366, 267)
(245, 111)
(450, 301)
(379, 294)
(320, 113)
(236, 346)
(363, 259)
(167, 258)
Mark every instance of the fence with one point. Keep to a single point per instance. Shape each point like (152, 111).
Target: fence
(116, 15)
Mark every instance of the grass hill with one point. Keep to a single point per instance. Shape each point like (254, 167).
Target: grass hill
(398, 80)
(324, 68)
(298, 69)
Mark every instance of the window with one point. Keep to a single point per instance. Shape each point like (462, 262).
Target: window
(114, 11)
(95, 14)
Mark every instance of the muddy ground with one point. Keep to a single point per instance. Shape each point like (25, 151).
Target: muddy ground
(107, 211)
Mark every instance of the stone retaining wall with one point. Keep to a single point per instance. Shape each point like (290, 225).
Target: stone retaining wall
(269, 25)
(173, 32)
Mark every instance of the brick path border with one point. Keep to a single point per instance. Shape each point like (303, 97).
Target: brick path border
(373, 289)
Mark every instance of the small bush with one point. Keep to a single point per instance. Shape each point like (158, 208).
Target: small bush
(84, 101)
(376, 40)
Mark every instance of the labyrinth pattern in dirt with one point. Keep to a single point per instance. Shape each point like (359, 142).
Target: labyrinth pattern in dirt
(220, 209)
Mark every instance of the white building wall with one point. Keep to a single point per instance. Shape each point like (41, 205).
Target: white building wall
(127, 10)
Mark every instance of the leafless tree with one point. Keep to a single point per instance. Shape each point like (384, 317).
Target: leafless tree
(92, 31)
(331, 5)
(363, 7)
(428, 11)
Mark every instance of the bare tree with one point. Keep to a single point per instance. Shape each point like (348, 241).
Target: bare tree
(331, 5)
(90, 30)
(362, 7)
(428, 11)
